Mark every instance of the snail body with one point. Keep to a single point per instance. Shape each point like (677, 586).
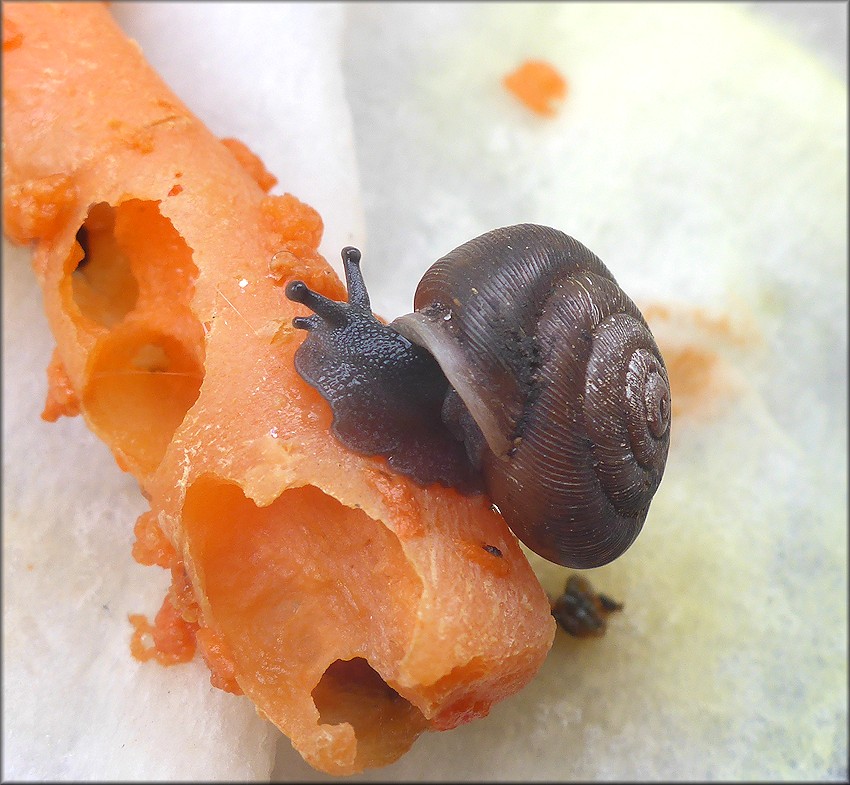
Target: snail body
(524, 371)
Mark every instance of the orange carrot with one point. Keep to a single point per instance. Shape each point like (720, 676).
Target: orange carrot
(353, 607)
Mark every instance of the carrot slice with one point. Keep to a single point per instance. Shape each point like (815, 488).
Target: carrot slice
(353, 607)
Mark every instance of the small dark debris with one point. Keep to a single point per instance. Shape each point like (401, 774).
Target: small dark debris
(492, 549)
(581, 611)
(609, 604)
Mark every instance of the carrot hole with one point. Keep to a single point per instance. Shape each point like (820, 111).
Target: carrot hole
(128, 286)
(352, 691)
(102, 283)
(141, 384)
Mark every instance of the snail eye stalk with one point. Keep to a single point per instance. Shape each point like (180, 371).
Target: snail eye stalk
(330, 311)
(357, 293)
(386, 393)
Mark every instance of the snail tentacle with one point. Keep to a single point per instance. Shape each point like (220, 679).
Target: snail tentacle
(354, 283)
(386, 393)
(329, 311)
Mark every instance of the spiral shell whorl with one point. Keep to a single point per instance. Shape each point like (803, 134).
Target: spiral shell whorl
(590, 458)
(570, 372)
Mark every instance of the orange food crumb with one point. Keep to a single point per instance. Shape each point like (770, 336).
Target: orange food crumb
(288, 219)
(35, 209)
(219, 660)
(538, 85)
(182, 594)
(61, 398)
(295, 230)
(300, 260)
(251, 163)
(151, 545)
(175, 189)
(170, 640)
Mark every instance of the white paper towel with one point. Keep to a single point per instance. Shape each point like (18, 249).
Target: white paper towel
(704, 158)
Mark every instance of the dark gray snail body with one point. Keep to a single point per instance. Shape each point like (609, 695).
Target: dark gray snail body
(524, 371)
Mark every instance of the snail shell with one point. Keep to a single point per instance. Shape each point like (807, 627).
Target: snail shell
(560, 371)
(539, 377)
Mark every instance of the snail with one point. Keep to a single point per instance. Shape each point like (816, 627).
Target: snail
(524, 372)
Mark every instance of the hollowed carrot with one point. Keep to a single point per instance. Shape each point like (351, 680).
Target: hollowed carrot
(353, 607)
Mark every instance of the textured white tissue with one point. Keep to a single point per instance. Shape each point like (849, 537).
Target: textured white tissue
(704, 158)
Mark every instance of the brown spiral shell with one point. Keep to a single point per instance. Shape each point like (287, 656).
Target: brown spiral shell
(559, 370)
